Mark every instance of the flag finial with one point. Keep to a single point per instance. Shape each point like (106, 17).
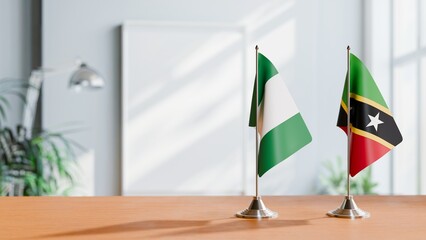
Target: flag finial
(257, 47)
(349, 48)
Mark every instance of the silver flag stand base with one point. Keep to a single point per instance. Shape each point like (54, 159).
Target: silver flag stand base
(348, 209)
(257, 209)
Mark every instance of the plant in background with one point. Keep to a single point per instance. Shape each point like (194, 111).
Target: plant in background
(334, 180)
(33, 166)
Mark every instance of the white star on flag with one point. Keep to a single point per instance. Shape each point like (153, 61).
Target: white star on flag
(374, 121)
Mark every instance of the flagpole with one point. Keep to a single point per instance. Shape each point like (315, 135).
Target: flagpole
(257, 116)
(349, 120)
(348, 208)
(257, 208)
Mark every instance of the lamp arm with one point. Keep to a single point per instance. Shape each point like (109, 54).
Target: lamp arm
(33, 93)
(46, 72)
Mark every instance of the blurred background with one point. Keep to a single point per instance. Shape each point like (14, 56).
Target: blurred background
(172, 116)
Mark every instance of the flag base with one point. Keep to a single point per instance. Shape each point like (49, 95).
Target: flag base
(348, 209)
(257, 209)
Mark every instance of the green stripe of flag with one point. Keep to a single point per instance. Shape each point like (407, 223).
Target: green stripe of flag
(266, 71)
(362, 83)
(282, 141)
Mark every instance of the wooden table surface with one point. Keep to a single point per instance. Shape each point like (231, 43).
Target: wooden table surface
(300, 217)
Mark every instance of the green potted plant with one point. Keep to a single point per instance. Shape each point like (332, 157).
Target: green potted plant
(35, 165)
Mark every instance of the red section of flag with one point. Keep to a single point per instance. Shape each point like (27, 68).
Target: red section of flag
(364, 152)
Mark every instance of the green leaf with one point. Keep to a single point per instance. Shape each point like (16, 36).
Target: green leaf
(2, 113)
(4, 101)
(30, 180)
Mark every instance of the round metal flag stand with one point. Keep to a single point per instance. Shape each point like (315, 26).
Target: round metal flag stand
(257, 209)
(348, 209)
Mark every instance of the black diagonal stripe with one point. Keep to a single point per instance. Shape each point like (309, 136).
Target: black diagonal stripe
(387, 131)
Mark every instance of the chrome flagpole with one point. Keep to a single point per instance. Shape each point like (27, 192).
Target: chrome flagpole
(257, 208)
(257, 117)
(348, 209)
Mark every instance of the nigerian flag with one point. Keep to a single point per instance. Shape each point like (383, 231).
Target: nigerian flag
(281, 127)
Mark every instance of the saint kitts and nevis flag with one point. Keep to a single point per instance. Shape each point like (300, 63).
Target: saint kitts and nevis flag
(374, 131)
(280, 125)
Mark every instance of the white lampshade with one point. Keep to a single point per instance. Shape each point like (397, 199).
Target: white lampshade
(86, 77)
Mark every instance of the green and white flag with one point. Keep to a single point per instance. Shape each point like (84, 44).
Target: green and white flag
(281, 127)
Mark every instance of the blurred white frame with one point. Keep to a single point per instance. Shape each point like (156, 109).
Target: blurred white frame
(183, 108)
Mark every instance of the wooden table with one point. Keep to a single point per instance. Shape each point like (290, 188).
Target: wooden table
(301, 217)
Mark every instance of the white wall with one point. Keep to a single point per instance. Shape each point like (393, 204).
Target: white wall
(400, 76)
(15, 47)
(306, 39)
(340, 24)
